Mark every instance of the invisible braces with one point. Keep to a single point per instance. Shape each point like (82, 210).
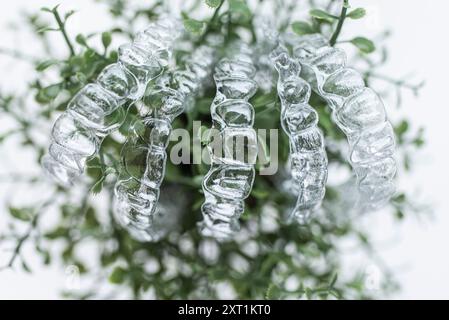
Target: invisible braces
(308, 160)
(138, 188)
(359, 113)
(230, 178)
(96, 110)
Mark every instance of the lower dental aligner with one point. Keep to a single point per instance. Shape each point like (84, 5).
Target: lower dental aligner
(308, 160)
(230, 178)
(144, 153)
(360, 114)
(96, 110)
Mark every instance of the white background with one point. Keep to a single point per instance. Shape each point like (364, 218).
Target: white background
(416, 249)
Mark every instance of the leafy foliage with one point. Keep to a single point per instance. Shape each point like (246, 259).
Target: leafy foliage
(272, 260)
(357, 13)
(363, 44)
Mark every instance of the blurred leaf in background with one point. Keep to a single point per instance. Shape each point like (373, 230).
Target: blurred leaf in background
(270, 259)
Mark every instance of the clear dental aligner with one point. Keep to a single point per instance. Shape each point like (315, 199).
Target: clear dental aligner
(308, 160)
(360, 114)
(144, 153)
(96, 109)
(230, 178)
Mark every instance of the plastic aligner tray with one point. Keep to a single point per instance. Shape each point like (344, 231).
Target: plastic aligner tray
(360, 114)
(144, 153)
(308, 160)
(96, 109)
(231, 175)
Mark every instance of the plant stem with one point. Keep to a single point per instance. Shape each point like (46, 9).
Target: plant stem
(396, 82)
(61, 26)
(211, 21)
(341, 19)
(214, 16)
(22, 239)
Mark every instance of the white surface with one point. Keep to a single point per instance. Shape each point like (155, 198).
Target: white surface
(418, 44)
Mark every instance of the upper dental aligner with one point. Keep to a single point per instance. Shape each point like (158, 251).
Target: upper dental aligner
(359, 113)
(96, 110)
(230, 178)
(144, 153)
(308, 160)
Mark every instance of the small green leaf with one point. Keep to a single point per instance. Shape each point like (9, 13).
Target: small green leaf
(193, 26)
(44, 253)
(69, 14)
(55, 8)
(94, 169)
(322, 15)
(108, 257)
(80, 266)
(407, 161)
(213, 3)
(98, 186)
(81, 77)
(273, 292)
(335, 293)
(118, 275)
(80, 39)
(363, 44)
(24, 214)
(45, 9)
(240, 8)
(45, 64)
(401, 128)
(25, 267)
(47, 257)
(419, 141)
(333, 280)
(106, 39)
(260, 194)
(399, 214)
(302, 27)
(356, 13)
(51, 91)
(59, 232)
(45, 29)
(363, 238)
(400, 198)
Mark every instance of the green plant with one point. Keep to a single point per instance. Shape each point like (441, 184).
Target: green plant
(261, 266)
